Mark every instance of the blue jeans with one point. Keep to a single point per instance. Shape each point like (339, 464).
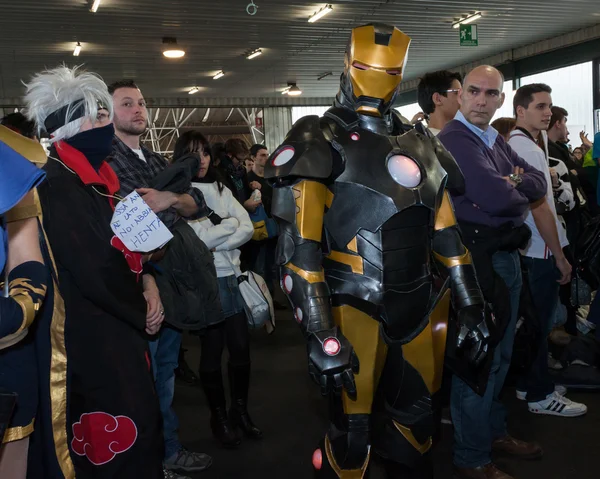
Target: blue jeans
(165, 357)
(478, 420)
(594, 314)
(230, 296)
(542, 276)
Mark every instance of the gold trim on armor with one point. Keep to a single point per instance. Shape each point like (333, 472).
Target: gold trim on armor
(353, 245)
(454, 261)
(58, 378)
(383, 65)
(310, 207)
(354, 261)
(410, 437)
(17, 433)
(30, 149)
(445, 217)
(328, 198)
(363, 333)
(20, 290)
(426, 352)
(28, 207)
(345, 473)
(28, 308)
(310, 276)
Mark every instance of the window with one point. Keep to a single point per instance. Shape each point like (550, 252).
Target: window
(408, 111)
(571, 89)
(507, 108)
(300, 111)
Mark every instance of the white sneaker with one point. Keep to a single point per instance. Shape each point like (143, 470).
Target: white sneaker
(558, 389)
(557, 405)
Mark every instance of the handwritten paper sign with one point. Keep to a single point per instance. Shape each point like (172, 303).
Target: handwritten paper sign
(137, 226)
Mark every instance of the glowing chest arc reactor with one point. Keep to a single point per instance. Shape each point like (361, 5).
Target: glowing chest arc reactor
(404, 171)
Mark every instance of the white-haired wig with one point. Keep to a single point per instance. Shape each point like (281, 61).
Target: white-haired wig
(65, 97)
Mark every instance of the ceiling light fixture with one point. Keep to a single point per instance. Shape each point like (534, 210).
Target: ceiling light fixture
(468, 19)
(254, 54)
(294, 90)
(219, 74)
(171, 48)
(285, 90)
(95, 6)
(77, 50)
(320, 14)
(193, 90)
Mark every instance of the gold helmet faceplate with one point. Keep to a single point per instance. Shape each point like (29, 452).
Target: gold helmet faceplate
(375, 62)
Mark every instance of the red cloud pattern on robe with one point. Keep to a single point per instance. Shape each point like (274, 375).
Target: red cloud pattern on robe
(100, 436)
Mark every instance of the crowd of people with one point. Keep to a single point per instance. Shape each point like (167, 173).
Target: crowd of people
(522, 233)
(96, 370)
(112, 319)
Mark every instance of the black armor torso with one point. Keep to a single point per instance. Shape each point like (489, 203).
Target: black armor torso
(392, 225)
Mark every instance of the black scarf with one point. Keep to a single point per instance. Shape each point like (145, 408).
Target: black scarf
(95, 144)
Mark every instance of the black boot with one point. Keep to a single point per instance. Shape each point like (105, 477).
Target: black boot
(212, 383)
(239, 381)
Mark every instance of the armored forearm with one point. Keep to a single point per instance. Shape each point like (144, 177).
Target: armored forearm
(449, 251)
(299, 209)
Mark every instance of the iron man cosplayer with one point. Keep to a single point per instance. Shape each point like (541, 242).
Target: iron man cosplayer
(367, 226)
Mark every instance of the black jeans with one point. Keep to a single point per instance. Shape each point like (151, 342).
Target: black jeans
(543, 276)
(234, 332)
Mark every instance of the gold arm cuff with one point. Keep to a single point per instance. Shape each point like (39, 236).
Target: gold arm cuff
(454, 261)
(18, 433)
(445, 215)
(310, 276)
(28, 307)
(28, 207)
(310, 208)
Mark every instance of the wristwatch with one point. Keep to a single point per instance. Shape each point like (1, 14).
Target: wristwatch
(516, 179)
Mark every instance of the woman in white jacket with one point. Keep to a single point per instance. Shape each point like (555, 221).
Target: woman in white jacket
(228, 229)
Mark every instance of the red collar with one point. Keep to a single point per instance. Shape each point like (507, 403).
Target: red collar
(77, 161)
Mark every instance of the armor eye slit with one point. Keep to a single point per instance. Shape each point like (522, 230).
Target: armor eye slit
(394, 72)
(360, 66)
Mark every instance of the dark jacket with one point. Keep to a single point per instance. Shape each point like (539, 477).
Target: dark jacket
(186, 275)
(483, 241)
(187, 281)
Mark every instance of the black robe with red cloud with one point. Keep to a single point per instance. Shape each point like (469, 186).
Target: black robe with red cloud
(99, 415)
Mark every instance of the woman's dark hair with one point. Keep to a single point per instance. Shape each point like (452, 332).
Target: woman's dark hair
(193, 141)
(504, 125)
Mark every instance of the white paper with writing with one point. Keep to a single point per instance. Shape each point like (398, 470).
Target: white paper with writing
(137, 226)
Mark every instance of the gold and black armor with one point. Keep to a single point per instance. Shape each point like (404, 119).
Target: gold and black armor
(366, 219)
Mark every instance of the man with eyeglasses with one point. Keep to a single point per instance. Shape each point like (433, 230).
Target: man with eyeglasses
(499, 188)
(438, 98)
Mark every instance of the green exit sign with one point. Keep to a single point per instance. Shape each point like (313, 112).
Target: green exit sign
(468, 36)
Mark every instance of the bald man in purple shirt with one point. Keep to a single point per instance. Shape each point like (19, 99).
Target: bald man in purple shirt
(500, 186)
